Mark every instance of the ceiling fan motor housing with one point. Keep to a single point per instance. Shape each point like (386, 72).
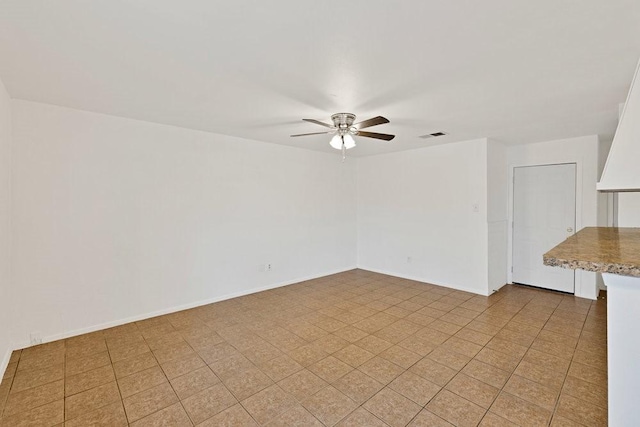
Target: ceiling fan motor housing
(343, 122)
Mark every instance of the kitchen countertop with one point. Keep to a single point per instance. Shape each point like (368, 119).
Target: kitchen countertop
(601, 249)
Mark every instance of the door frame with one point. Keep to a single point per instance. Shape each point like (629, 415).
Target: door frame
(578, 288)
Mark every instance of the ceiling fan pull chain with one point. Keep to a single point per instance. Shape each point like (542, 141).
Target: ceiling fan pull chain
(344, 152)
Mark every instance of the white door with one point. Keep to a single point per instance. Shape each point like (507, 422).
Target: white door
(544, 214)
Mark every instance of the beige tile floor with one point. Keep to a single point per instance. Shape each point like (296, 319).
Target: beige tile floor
(352, 349)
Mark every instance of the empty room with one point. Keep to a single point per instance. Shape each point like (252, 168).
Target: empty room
(293, 213)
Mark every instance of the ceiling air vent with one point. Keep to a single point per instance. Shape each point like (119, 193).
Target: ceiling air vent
(432, 135)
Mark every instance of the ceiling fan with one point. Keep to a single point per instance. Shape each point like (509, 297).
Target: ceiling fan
(344, 130)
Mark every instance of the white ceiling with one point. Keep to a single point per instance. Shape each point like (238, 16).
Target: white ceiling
(517, 71)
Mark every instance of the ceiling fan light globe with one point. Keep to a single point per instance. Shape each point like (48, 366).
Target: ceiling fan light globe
(336, 142)
(349, 142)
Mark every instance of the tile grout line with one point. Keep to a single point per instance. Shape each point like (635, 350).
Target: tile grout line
(422, 407)
(520, 361)
(115, 379)
(164, 375)
(572, 360)
(501, 390)
(6, 399)
(444, 387)
(30, 388)
(64, 385)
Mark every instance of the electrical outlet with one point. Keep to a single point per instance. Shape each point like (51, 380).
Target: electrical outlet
(265, 267)
(35, 338)
(476, 207)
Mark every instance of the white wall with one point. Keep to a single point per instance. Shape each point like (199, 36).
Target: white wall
(5, 228)
(497, 214)
(584, 152)
(115, 219)
(605, 200)
(628, 209)
(420, 204)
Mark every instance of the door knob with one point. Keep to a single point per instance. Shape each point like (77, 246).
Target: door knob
(569, 230)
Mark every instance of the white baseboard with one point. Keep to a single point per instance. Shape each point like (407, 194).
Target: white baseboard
(496, 289)
(423, 280)
(119, 322)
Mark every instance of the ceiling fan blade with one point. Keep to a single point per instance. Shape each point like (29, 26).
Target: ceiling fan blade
(313, 133)
(318, 122)
(375, 135)
(371, 122)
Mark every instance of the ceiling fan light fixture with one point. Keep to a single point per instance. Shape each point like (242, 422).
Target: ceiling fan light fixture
(344, 130)
(339, 140)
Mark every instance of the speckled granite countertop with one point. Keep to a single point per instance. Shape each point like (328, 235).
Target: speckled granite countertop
(601, 249)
